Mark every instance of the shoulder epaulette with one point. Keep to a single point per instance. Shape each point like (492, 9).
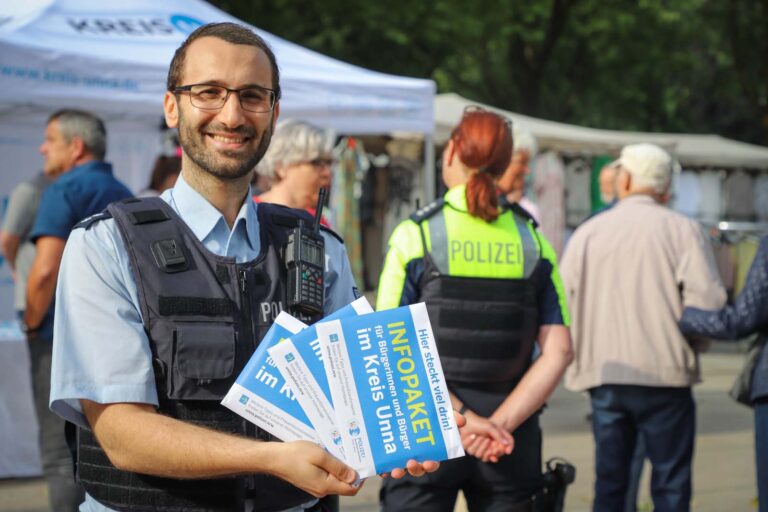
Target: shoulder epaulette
(332, 233)
(285, 216)
(427, 211)
(519, 211)
(87, 222)
(139, 216)
(289, 218)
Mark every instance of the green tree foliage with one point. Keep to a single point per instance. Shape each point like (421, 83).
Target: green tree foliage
(654, 65)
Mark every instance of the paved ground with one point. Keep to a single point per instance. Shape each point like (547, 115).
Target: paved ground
(724, 476)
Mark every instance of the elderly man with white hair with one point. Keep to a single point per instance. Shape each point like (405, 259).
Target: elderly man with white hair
(298, 164)
(628, 273)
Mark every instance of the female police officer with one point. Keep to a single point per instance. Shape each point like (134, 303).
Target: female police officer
(491, 285)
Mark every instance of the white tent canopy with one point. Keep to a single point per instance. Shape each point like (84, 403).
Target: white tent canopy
(113, 57)
(691, 150)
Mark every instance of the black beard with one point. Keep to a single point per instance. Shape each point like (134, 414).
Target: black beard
(191, 142)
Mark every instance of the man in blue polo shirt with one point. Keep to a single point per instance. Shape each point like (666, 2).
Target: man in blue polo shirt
(74, 147)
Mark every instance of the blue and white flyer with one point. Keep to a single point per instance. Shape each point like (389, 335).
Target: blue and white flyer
(389, 392)
(262, 396)
(299, 359)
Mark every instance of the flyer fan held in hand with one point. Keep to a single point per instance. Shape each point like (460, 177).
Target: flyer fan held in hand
(262, 396)
(389, 392)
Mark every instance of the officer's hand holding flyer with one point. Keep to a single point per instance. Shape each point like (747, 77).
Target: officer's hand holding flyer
(369, 386)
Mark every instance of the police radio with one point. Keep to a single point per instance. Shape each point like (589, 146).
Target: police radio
(305, 259)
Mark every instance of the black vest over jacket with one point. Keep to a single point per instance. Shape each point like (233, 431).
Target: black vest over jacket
(485, 329)
(204, 315)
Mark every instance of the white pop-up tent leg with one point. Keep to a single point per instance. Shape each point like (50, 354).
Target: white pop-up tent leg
(429, 170)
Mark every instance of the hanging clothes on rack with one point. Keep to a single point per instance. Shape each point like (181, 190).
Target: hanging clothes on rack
(548, 174)
(761, 198)
(346, 190)
(711, 206)
(404, 178)
(686, 187)
(725, 259)
(373, 211)
(745, 251)
(739, 196)
(578, 201)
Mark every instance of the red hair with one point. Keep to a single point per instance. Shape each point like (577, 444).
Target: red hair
(483, 141)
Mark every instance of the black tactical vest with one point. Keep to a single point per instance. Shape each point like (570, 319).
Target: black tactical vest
(204, 315)
(485, 329)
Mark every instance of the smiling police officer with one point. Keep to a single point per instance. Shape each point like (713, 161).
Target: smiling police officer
(160, 302)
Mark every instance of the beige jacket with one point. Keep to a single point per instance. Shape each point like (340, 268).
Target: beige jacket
(628, 273)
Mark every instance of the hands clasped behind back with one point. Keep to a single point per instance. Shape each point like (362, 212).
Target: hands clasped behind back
(484, 439)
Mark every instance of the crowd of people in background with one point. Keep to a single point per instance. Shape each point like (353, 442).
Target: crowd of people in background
(76, 183)
(623, 316)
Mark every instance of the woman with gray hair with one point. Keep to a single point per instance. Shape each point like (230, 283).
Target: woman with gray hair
(298, 163)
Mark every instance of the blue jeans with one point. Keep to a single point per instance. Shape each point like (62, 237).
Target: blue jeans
(666, 420)
(761, 452)
(635, 475)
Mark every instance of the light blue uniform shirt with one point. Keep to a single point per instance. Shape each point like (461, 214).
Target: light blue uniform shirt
(100, 350)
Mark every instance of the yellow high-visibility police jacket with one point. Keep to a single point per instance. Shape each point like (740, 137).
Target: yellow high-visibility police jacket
(488, 286)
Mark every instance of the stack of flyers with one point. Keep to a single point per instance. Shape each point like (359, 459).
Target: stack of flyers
(367, 386)
(300, 360)
(261, 393)
(389, 392)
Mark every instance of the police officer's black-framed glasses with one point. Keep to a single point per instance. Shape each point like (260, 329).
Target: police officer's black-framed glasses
(213, 97)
